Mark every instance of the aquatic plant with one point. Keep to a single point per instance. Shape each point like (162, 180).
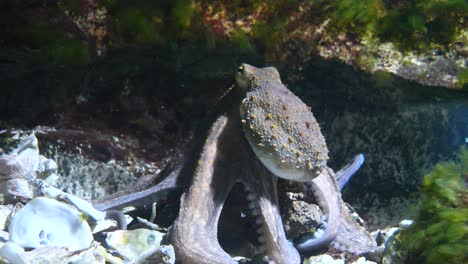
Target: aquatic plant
(440, 233)
(151, 22)
(52, 44)
(260, 26)
(463, 79)
(408, 24)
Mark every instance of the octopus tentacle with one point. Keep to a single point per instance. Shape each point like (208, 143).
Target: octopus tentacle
(119, 217)
(328, 198)
(344, 175)
(264, 184)
(341, 229)
(194, 233)
(144, 197)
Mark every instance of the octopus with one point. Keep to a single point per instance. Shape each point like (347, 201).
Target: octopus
(261, 132)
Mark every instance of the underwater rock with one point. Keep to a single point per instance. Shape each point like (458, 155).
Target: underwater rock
(47, 170)
(376, 254)
(300, 214)
(363, 260)
(405, 224)
(5, 211)
(21, 172)
(381, 237)
(15, 254)
(301, 218)
(14, 183)
(47, 222)
(47, 255)
(28, 156)
(323, 259)
(394, 253)
(388, 250)
(163, 255)
(427, 67)
(133, 244)
(20, 168)
(18, 190)
(93, 179)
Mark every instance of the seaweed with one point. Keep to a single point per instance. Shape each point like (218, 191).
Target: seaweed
(463, 79)
(410, 25)
(51, 43)
(440, 232)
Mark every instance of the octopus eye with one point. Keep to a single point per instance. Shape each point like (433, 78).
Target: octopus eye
(240, 69)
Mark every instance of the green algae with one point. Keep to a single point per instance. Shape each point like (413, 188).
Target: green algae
(463, 79)
(137, 22)
(440, 233)
(410, 25)
(52, 44)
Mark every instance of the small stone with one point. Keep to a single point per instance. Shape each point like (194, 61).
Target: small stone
(164, 255)
(394, 253)
(301, 218)
(48, 255)
(18, 190)
(362, 260)
(323, 259)
(405, 224)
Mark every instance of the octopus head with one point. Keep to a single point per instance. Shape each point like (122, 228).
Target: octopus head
(248, 76)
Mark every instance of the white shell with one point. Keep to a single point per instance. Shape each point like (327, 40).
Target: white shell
(132, 244)
(47, 222)
(13, 253)
(48, 255)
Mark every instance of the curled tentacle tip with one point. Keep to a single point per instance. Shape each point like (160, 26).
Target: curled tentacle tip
(119, 217)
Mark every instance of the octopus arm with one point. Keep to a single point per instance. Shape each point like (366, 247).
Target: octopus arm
(329, 199)
(347, 172)
(327, 193)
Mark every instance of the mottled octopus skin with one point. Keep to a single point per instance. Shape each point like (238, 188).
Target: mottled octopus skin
(226, 158)
(280, 128)
(286, 137)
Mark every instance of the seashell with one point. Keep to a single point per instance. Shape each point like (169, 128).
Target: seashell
(47, 222)
(13, 253)
(131, 244)
(43, 189)
(47, 255)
